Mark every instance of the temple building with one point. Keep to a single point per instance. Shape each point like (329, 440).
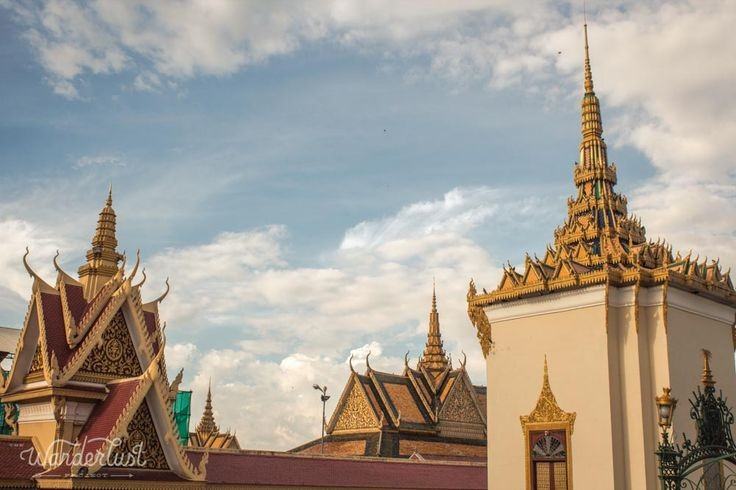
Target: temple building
(431, 412)
(91, 405)
(604, 320)
(207, 434)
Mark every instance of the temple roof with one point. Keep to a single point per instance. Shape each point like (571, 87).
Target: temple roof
(435, 406)
(207, 433)
(103, 349)
(8, 340)
(599, 242)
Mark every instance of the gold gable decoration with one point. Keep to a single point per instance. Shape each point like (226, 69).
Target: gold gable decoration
(37, 362)
(141, 431)
(115, 355)
(460, 406)
(356, 412)
(547, 411)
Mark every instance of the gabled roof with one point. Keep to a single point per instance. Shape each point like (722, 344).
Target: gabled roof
(65, 342)
(110, 419)
(8, 339)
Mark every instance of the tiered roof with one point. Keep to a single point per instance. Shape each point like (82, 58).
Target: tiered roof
(207, 433)
(432, 412)
(599, 241)
(94, 343)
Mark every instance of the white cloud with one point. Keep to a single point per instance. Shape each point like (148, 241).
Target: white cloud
(291, 326)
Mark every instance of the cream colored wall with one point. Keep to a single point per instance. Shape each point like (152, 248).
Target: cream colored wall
(688, 333)
(610, 379)
(575, 342)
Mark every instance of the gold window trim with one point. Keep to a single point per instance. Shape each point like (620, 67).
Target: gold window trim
(547, 415)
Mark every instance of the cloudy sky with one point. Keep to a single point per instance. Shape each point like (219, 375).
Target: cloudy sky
(302, 170)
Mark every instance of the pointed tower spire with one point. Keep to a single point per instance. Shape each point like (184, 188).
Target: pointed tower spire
(592, 146)
(610, 235)
(434, 359)
(207, 423)
(102, 258)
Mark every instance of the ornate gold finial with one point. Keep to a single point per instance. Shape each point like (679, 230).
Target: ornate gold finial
(588, 73)
(103, 257)
(434, 359)
(707, 378)
(207, 423)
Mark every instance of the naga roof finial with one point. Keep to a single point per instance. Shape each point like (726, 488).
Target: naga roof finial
(165, 293)
(368, 362)
(137, 263)
(143, 273)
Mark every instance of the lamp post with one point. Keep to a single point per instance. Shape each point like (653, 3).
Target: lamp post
(324, 397)
(667, 452)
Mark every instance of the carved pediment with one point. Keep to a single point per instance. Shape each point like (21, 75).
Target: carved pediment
(460, 406)
(355, 412)
(141, 448)
(115, 354)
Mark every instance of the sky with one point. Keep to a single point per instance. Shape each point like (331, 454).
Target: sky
(303, 171)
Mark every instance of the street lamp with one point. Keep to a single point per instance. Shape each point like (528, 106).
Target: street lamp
(666, 405)
(324, 397)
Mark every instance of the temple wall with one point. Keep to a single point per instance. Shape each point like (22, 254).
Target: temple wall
(609, 356)
(570, 330)
(695, 323)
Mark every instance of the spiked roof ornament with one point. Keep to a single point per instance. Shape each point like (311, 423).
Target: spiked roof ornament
(102, 257)
(207, 423)
(434, 359)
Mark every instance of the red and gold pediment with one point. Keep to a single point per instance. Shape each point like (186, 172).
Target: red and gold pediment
(115, 355)
(141, 447)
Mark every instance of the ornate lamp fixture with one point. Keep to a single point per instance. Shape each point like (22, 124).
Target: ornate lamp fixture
(666, 405)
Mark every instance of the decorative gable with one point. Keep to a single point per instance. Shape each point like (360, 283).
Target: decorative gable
(460, 406)
(355, 412)
(142, 447)
(115, 355)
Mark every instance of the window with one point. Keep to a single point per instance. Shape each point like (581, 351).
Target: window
(549, 460)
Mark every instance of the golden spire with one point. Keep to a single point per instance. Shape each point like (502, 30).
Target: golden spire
(588, 74)
(207, 424)
(707, 378)
(592, 147)
(434, 358)
(102, 258)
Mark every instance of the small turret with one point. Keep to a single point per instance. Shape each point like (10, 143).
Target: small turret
(103, 257)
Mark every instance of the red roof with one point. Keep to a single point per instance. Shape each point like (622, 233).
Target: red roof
(13, 464)
(105, 414)
(258, 468)
(55, 331)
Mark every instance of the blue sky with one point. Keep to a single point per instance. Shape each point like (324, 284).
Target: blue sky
(302, 171)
